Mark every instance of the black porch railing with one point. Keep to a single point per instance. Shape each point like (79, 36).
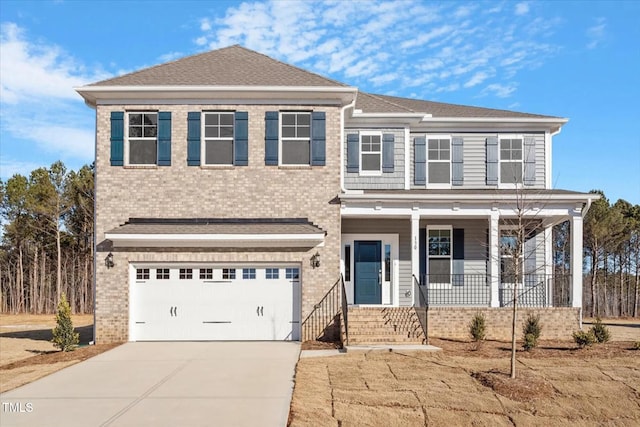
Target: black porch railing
(455, 289)
(324, 323)
(474, 290)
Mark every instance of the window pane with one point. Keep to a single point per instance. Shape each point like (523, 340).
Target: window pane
(303, 132)
(150, 119)
(142, 152)
(226, 132)
(218, 152)
(288, 119)
(135, 119)
(371, 162)
(505, 155)
(211, 119)
(347, 263)
(510, 172)
(295, 152)
(439, 270)
(150, 131)
(439, 173)
(387, 262)
(135, 131)
(211, 132)
(444, 144)
(433, 144)
(288, 132)
(516, 144)
(226, 119)
(304, 119)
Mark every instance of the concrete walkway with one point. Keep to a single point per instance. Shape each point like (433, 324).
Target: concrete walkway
(163, 384)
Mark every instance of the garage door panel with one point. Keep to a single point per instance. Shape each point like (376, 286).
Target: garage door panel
(236, 305)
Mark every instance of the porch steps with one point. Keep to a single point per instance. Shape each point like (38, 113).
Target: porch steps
(384, 325)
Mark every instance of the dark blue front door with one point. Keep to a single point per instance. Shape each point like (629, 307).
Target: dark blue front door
(368, 270)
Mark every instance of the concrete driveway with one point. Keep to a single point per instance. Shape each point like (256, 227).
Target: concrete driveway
(163, 384)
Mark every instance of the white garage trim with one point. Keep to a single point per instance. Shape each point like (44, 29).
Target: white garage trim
(216, 240)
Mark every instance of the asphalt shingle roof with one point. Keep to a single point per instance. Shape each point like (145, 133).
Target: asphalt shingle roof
(229, 66)
(216, 226)
(372, 103)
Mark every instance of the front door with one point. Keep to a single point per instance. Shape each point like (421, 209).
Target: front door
(368, 272)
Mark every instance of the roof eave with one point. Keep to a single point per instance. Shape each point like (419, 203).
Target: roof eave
(106, 94)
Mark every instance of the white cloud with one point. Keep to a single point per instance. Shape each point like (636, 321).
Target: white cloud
(205, 24)
(10, 167)
(522, 8)
(170, 56)
(31, 71)
(477, 78)
(596, 33)
(39, 105)
(500, 90)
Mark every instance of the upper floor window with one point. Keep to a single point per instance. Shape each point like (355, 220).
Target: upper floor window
(142, 138)
(439, 160)
(511, 160)
(370, 153)
(218, 138)
(295, 138)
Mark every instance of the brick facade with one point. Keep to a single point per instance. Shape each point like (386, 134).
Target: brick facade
(181, 191)
(452, 323)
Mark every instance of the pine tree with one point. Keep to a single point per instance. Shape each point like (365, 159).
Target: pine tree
(64, 336)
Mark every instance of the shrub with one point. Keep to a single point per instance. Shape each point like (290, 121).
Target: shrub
(64, 336)
(478, 327)
(584, 338)
(531, 331)
(600, 331)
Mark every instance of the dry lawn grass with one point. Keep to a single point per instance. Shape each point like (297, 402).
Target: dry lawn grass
(26, 351)
(557, 385)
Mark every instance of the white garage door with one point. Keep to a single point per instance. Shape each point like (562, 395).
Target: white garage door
(202, 303)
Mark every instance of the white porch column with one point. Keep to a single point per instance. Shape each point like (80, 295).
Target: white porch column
(576, 261)
(548, 263)
(494, 258)
(415, 256)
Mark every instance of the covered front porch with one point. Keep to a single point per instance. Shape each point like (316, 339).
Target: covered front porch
(427, 248)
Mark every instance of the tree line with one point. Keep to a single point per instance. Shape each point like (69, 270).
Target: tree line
(47, 240)
(46, 247)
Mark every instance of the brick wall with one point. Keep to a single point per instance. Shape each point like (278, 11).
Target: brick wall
(557, 323)
(181, 191)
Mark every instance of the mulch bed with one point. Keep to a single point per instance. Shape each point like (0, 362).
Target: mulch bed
(49, 357)
(524, 388)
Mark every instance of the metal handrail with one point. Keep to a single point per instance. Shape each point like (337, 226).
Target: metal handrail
(426, 308)
(345, 310)
(323, 313)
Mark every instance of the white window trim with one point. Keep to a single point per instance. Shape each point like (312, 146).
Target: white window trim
(281, 139)
(507, 185)
(439, 185)
(126, 140)
(450, 257)
(362, 172)
(204, 139)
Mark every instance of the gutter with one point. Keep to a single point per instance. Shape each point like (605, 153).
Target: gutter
(342, 111)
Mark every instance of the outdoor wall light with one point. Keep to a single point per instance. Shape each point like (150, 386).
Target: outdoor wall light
(315, 260)
(108, 261)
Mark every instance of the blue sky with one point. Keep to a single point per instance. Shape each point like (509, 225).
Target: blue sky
(579, 60)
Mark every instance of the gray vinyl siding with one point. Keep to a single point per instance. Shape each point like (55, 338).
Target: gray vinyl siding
(474, 149)
(385, 181)
(390, 226)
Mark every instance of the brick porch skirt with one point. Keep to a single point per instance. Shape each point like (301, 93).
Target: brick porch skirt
(453, 322)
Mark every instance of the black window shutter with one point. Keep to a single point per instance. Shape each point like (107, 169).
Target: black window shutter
(422, 251)
(529, 161)
(117, 138)
(353, 152)
(164, 138)
(193, 138)
(318, 138)
(420, 160)
(271, 138)
(492, 160)
(458, 243)
(387, 152)
(457, 161)
(241, 139)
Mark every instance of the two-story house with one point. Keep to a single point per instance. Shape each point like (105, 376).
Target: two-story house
(242, 198)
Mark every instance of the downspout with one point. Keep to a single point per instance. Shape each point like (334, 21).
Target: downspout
(342, 110)
(586, 207)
